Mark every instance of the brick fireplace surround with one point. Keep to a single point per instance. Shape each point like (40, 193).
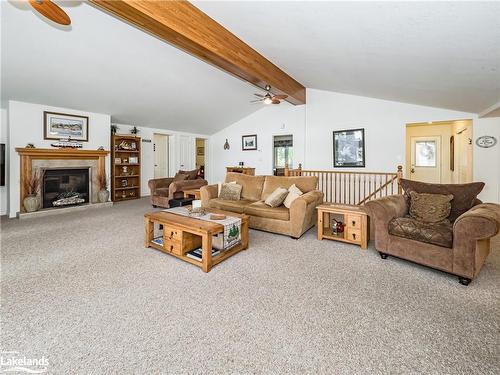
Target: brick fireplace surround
(40, 158)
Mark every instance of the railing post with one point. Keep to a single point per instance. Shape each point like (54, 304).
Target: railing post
(287, 171)
(400, 176)
(299, 170)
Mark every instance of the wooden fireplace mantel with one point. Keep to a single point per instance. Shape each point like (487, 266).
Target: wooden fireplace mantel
(27, 155)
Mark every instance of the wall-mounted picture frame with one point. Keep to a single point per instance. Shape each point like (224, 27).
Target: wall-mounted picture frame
(349, 148)
(64, 125)
(249, 142)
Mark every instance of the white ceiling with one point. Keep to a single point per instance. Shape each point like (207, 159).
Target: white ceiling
(101, 64)
(441, 54)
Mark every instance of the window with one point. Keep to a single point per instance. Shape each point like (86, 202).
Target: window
(283, 152)
(425, 153)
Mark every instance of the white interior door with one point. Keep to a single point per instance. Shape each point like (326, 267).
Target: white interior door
(425, 159)
(161, 155)
(186, 152)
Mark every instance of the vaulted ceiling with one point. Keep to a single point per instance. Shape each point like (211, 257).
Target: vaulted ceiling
(441, 54)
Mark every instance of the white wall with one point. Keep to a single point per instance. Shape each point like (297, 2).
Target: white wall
(4, 138)
(147, 153)
(486, 161)
(26, 126)
(269, 121)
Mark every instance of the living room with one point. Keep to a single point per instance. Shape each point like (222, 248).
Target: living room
(328, 224)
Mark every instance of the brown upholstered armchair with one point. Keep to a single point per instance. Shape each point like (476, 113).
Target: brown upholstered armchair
(459, 247)
(164, 189)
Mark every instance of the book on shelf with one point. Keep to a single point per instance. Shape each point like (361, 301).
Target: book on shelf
(196, 254)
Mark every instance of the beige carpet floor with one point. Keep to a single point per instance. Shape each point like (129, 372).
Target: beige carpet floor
(81, 290)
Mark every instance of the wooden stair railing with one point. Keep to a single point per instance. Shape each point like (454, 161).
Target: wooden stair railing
(355, 188)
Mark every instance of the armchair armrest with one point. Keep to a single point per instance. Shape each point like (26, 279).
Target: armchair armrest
(480, 223)
(178, 186)
(208, 192)
(303, 211)
(159, 183)
(382, 211)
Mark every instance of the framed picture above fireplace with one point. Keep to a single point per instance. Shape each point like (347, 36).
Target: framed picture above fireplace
(64, 125)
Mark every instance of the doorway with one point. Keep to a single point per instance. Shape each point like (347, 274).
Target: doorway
(160, 149)
(439, 152)
(282, 153)
(201, 156)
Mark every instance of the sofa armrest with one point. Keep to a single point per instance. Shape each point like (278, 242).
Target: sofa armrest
(303, 211)
(382, 211)
(157, 183)
(481, 222)
(208, 192)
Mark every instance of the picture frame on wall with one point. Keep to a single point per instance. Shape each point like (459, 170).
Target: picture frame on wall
(349, 148)
(64, 125)
(249, 142)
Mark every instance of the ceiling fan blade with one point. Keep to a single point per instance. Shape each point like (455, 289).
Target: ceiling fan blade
(275, 101)
(280, 97)
(259, 95)
(50, 10)
(256, 101)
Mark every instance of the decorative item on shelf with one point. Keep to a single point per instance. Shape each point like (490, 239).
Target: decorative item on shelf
(226, 145)
(133, 145)
(66, 142)
(30, 145)
(337, 226)
(349, 148)
(114, 129)
(125, 170)
(101, 148)
(124, 194)
(124, 145)
(132, 193)
(134, 130)
(486, 141)
(249, 142)
(241, 163)
(32, 186)
(102, 182)
(133, 160)
(124, 183)
(59, 125)
(118, 160)
(125, 160)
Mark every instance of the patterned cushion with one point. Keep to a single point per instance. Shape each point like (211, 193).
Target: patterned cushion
(277, 197)
(440, 234)
(293, 193)
(230, 192)
(464, 195)
(430, 208)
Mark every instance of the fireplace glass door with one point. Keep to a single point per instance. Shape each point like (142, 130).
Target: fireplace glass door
(65, 187)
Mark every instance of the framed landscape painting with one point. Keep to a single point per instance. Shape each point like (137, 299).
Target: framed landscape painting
(249, 142)
(63, 125)
(349, 148)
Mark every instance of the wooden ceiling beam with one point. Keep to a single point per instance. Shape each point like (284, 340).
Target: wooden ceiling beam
(186, 27)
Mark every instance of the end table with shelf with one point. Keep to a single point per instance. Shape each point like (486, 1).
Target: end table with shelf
(355, 219)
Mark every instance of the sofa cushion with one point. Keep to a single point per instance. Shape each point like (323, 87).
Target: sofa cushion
(230, 192)
(191, 175)
(233, 206)
(430, 208)
(304, 183)
(261, 209)
(464, 195)
(277, 197)
(251, 185)
(440, 234)
(161, 192)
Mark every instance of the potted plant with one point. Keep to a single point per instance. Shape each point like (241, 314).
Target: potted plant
(103, 194)
(114, 129)
(32, 185)
(134, 130)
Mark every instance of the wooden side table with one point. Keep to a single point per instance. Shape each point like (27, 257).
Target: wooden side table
(192, 193)
(356, 230)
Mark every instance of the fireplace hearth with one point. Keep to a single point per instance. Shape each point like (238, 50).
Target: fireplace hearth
(63, 187)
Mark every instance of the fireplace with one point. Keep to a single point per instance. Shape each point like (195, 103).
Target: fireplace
(63, 187)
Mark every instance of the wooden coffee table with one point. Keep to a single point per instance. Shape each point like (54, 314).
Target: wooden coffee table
(182, 234)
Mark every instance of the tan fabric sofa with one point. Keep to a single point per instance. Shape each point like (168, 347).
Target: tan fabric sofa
(164, 189)
(255, 189)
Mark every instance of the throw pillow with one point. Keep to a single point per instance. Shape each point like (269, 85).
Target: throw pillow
(180, 177)
(293, 193)
(230, 192)
(277, 197)
(464, 195)
(430, 208)
(192, 175)
(219, 186)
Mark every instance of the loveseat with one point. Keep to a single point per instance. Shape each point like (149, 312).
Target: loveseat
(162, 190)
(458, 246)
(255, 189)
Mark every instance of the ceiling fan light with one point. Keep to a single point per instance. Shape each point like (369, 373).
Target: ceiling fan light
(268, 101)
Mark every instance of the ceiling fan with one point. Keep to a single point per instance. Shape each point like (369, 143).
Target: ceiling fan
(269, 98)
(50, 10)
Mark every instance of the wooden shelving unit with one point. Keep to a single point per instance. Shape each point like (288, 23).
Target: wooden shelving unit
(125, 176)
